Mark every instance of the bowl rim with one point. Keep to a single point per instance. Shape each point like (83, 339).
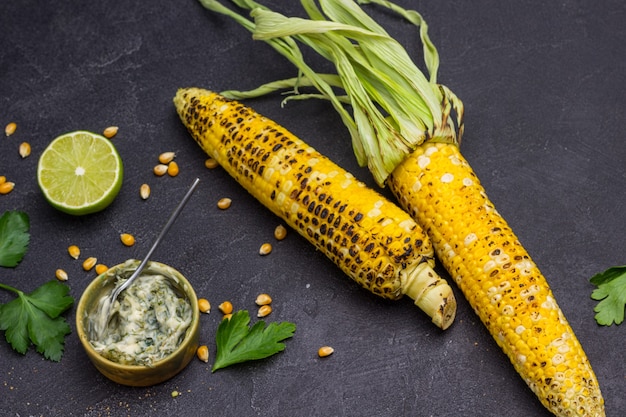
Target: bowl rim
(103, 280)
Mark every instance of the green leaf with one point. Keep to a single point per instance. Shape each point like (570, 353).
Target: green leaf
(611, 293)
(14, 237)
(34, 318)
(237, 343)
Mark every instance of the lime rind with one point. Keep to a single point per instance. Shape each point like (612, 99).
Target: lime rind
(80, 173)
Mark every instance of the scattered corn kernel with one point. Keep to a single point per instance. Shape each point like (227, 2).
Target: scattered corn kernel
(166, 157)
(265, 249)
(204, 306)
(144, 191)
(24, 149)
(127, 239)
(203, 353)
(74, 251)
(226, 307)
(264, 310)
(61, 275)
(160, 170)
(172, 169)
(263, 299)
(10, 128)
(325, 351)
(110, 131)
(6, 187)
(89, 263)
(280, 232)
(101, 269)
(211, 163)
(224, 203)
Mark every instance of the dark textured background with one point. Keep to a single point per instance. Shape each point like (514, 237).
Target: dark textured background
(544, 85)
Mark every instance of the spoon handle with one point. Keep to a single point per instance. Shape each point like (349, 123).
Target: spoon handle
(169, 223)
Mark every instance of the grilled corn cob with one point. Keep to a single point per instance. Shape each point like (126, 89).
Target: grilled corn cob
(498, 277)
(371, 239)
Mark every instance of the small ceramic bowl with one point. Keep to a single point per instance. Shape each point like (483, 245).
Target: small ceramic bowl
(138, 375)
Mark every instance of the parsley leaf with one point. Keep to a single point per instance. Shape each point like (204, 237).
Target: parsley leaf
(611, 293)
(237, 343)
(14, 237)
(35, 318)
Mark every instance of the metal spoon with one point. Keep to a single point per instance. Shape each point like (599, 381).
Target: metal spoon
(105, 311)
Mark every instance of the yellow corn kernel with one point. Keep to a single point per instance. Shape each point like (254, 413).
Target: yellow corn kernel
(6, 187)
(265, 249)
(101, 269)
(10, 128)
(371, 239)
(503, 285)
(211, 163)
(264, 311)
(110, 131)
(325, 351)
(73, 251)
(226, 307)
(144, 191)
(24, 149)
(203, 353)
(263, 299)
(204, 306)
(280, 232)
(127, 239)
(224, 203)
(166, 157)
(160, 170)
(172, 169)
(89, 263)
(61, 275)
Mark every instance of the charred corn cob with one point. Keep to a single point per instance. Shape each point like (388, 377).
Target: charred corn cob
(498, 277)
(371, 239)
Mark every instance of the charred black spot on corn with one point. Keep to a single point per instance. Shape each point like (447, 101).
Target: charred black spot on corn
(371, 239)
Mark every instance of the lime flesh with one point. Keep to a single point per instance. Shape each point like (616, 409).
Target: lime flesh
(80, 173)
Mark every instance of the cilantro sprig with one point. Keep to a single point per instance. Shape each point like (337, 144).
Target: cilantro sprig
(236, 342)
(14, 237)
(35, 318)
(611, 293)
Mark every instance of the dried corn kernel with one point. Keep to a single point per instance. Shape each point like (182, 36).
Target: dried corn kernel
(110, 131)
(101, 269)
(160, 170)
(280, 232)
(211, 163)
(166, 157)
(226, 307)
(74, 251)
(203, 353)
(172, 169)
(265, 249)
(263, 299)
(325, 351)
(61, 275)
(127, 239)
(224, 203)
(204, 306)
(264, 311)
(89, 263)
(10, 129)
(24, 149)
(6, 187)
(144, 191)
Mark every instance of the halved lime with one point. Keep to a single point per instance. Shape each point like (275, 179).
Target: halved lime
(80, 172)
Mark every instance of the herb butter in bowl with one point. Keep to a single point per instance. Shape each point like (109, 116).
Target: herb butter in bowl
(153, 331)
